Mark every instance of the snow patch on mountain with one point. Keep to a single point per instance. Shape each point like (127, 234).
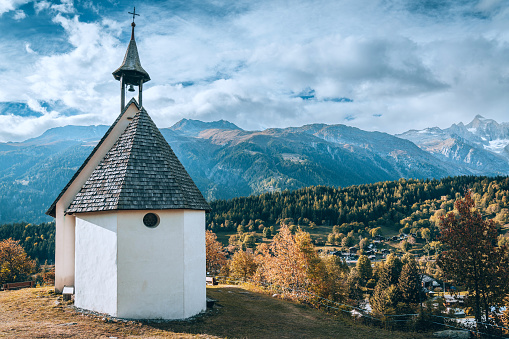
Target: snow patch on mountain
(497, 146)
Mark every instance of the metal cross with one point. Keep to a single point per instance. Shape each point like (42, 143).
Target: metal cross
(133, 13)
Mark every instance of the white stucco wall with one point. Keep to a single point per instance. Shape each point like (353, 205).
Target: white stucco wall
(64, 238)
(64, 249)
(96, 262)
(195, 293)
(161, 270)
(128, 270)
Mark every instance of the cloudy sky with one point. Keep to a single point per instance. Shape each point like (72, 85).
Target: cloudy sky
(385, 65)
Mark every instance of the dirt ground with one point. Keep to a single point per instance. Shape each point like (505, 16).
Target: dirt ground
(239, 313)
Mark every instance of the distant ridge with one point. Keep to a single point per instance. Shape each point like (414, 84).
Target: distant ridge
(481, 146)
(194, 127)
(226, 161)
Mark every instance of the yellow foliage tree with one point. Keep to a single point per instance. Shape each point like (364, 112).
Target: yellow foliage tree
(242, 265)
(15, 265)
(292, 263)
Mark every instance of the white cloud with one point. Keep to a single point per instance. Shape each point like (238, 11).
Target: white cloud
(403, 65)
(10, 5)
(19, 15)
(64, 7)
(41, 6)
(28, 48)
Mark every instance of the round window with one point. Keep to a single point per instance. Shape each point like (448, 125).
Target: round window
(151, 220)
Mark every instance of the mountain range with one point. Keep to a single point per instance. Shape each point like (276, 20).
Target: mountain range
(226, 161)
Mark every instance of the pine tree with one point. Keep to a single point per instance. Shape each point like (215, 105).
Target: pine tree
(380, 299)
(393, 266)
(409, 284)
(364, 268)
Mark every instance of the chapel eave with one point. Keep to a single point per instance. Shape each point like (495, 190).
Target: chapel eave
(52, 210)
(139, 172)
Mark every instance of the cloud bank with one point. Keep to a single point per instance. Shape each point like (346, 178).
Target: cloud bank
(373, 64)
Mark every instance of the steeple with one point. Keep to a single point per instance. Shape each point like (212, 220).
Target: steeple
(130, 72)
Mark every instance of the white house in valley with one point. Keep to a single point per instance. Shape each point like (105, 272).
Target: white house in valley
(130, 224)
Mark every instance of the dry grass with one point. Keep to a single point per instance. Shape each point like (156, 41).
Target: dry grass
(239, 313)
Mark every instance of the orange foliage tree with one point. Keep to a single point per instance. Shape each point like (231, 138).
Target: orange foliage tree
(15, 265)
(292, 263)
(215, 254)
(242, 265)
(472, 258)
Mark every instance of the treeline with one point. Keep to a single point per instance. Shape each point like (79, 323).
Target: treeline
(406, 203)
(38, 241)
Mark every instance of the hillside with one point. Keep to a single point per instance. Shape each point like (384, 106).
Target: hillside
(240, 313)
(226, 161)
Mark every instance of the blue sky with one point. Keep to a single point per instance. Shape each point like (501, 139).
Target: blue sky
(375, 64)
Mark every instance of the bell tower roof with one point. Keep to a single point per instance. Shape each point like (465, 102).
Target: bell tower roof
(131, 68)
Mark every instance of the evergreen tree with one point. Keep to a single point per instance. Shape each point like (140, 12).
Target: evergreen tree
(379, 301)
(266, 232)
(354, 285)
(393, 266)
(364, 268)
(409, 284)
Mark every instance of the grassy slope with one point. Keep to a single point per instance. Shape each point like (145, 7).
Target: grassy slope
(33, 313)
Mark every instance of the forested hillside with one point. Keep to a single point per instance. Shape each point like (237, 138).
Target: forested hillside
(407, 205)
(37, 240)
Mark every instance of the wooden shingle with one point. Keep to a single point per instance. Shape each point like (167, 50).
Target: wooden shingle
(140, 172)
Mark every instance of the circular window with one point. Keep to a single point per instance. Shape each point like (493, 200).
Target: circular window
(151, 220)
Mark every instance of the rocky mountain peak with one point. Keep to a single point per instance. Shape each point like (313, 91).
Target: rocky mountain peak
(192, 127)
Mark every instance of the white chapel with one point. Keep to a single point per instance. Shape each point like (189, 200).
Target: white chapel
(130, 224)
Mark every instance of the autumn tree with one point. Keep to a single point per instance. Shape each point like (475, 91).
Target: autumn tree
(242, 265)
(15, 265)
(215, 254)
(291, 262)
(471, 257)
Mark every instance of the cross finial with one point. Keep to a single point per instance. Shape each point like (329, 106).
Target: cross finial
(133, 13)
(133, 24)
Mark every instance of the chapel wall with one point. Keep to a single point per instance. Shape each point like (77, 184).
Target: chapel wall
(195, 293)
(151, 265)
(96, 262)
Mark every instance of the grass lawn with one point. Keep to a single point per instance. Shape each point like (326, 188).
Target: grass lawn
(239, 313)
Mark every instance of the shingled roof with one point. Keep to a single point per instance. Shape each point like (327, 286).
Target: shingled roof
(52, 209)
(139, 172)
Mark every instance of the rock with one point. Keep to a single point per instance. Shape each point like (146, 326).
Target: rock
(452, 334)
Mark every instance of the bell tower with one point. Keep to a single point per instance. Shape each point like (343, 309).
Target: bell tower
(130, 73)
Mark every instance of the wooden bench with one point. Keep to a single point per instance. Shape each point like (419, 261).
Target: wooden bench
(211, 281)
(18, 285)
